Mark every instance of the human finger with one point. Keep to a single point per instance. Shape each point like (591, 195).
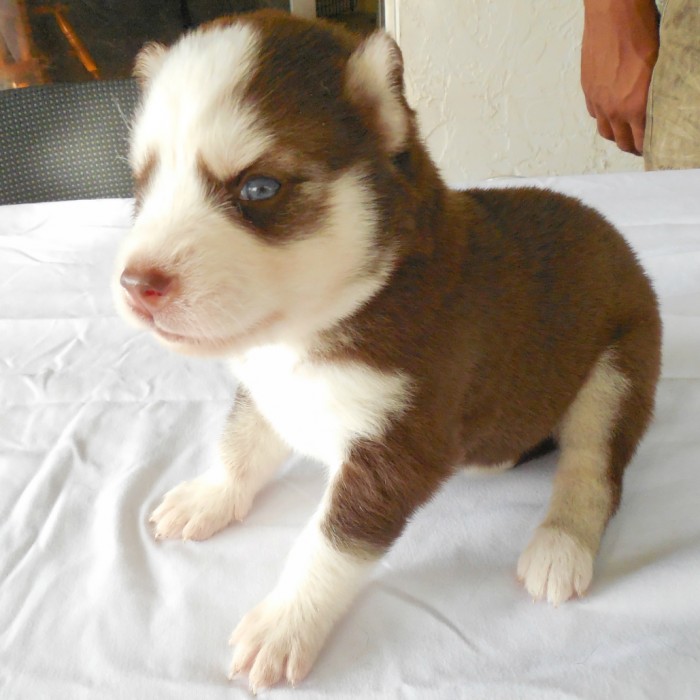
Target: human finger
(638, 135)
(623, 136)
(604, 128)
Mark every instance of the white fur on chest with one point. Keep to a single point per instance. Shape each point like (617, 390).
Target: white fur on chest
(320, 408)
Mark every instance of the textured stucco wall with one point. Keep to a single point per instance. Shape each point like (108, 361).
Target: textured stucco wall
(496, 87)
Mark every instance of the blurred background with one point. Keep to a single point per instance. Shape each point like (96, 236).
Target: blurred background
(495, 83)
(78, 40)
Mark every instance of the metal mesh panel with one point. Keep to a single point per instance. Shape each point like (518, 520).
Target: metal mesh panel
(66, 141)
(329, 8)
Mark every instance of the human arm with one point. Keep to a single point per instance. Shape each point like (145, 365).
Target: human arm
(618, 53)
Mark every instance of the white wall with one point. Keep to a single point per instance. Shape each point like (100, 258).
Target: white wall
(496, 87)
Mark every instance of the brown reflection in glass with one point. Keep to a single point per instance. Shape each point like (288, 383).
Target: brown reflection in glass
(82, 40)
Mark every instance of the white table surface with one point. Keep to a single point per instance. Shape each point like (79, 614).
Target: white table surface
(97, 421)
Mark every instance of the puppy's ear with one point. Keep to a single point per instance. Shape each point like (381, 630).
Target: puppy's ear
(148, 61)
(374, 84)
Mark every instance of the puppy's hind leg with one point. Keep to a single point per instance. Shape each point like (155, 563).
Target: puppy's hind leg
(251, 452)
(598, 436)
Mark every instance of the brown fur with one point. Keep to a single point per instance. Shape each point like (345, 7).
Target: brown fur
(533, 288)
(498, 307)
(500, 303)
(485, 325)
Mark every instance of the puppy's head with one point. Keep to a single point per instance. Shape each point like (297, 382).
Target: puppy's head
(268, 160)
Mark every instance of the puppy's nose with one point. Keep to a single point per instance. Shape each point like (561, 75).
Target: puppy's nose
(148, 289)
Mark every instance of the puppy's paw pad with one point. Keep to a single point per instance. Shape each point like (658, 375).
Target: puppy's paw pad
(274, 643)
(195, 510)
(555, 566)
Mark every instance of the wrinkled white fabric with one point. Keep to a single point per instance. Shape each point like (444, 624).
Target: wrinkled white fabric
(98, 421)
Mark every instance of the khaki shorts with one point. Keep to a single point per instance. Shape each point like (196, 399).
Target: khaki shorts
(672, 135)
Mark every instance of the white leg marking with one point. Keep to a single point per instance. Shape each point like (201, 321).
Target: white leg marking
(554, 566)
(197, 509)
(281, 637)
(558, 562)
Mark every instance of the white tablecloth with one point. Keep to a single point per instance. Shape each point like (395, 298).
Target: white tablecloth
(98, 421)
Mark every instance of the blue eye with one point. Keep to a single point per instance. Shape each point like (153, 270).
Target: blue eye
(259, 188)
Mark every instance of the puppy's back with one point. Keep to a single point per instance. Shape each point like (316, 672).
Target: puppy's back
(563, 252)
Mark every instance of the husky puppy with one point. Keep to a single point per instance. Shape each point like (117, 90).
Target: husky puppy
(289, 218)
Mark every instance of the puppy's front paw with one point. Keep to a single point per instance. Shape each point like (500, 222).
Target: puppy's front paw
(197, 509)
(554, 566)
(276, 641)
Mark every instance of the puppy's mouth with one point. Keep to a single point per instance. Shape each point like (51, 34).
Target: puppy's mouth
(205, 342)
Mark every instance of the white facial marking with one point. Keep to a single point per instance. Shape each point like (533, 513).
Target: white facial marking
(237, 290)
(192, 116)
(193, 107)
(149, 60)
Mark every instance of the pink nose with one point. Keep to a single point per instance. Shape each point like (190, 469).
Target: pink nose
(148, 289)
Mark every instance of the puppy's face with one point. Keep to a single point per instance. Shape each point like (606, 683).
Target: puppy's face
(262, 154)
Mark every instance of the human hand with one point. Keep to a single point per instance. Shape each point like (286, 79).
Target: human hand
(618, 53)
